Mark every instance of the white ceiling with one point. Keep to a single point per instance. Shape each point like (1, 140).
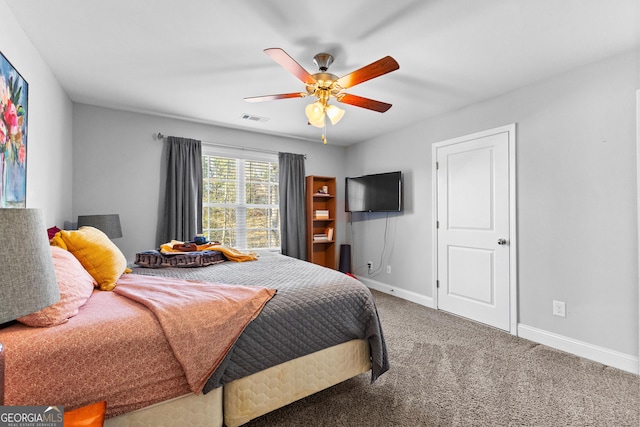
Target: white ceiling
(198, 59)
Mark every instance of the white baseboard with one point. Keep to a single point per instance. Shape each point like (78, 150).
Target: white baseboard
(616, 359)
(606, 356)
(399, 292)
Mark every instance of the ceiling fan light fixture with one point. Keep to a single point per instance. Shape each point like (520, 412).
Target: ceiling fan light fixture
(324, 85)
(315, 114)
(318, 123)
(334, 113)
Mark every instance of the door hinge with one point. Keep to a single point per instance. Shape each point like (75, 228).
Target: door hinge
(437, 165)
(437, 224)
(438, 284)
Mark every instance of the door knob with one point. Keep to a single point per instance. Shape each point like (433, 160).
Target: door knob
(502, 242)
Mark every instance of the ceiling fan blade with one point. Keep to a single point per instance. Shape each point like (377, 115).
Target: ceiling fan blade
(368, 72)
(289, 64)
(359, 101)
(273, 97)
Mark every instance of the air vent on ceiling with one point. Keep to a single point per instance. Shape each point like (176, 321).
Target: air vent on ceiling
(254, 118)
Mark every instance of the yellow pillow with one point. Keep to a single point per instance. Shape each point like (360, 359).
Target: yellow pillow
(96, 252)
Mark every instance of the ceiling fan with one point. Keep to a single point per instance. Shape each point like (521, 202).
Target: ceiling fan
(324, 86)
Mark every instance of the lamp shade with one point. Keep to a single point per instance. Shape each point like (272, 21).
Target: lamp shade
(315, 114)
(27, 277)
(109, 224)
(334, 113)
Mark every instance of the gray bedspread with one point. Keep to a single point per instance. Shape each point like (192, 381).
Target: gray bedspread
(314, 308)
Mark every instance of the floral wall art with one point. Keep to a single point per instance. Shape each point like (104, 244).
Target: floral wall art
(13, 136)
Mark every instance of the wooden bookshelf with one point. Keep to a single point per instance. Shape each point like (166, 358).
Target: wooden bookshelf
(321, 220)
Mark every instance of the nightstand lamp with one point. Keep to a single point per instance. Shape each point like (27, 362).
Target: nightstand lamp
(109, 224)
(27, 277)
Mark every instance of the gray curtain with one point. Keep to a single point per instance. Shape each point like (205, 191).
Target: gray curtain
(182, 211)
(293, 238)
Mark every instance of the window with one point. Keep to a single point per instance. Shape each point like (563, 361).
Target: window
(240, 199)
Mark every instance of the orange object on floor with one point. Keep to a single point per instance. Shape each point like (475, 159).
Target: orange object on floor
(87, 416)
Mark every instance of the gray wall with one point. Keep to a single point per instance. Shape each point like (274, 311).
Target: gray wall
(49, 127)
(116, 166)
(577, 195)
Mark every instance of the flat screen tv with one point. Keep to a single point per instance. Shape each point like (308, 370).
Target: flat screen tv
(380, 192)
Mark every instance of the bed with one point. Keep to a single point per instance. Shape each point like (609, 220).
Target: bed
(320, 328)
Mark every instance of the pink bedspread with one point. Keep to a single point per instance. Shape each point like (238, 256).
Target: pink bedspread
(115, 349)
(201, 320)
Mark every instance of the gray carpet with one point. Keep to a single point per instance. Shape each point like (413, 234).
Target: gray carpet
(448, 371)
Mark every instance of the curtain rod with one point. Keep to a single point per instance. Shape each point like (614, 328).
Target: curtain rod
(159, 136)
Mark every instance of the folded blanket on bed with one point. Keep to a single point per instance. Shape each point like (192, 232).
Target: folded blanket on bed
(230, 253)
(156, 259)
(201, 320)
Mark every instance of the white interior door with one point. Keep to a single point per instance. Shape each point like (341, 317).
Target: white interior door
(473, 227)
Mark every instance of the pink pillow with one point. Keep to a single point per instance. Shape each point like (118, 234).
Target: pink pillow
(76, 286)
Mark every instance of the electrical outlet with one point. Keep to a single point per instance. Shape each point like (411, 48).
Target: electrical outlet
(369, 265)
(388, 269)
(559, 309)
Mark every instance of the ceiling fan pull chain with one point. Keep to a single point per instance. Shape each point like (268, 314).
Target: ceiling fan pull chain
(324, 133)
